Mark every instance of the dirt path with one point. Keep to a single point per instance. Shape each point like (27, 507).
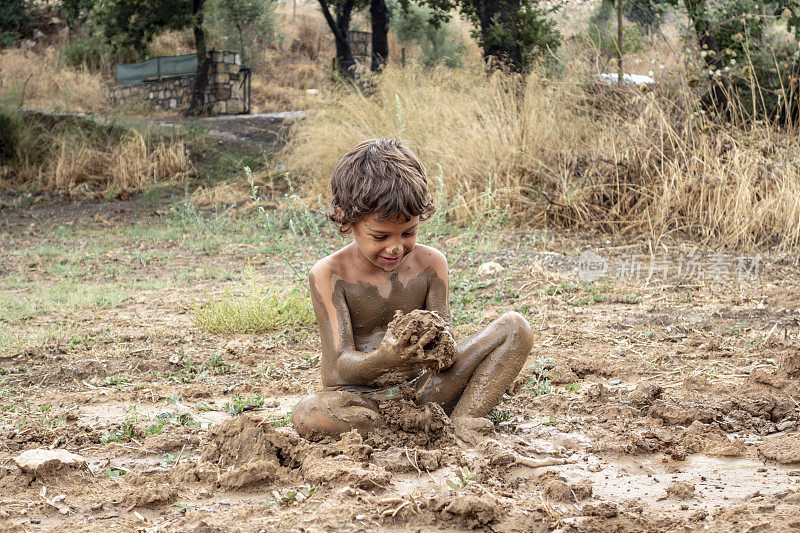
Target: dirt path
(672, 405)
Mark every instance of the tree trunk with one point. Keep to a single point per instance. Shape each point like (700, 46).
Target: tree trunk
(341, 32)
(620, 45)
(197, 101)
(379, 14)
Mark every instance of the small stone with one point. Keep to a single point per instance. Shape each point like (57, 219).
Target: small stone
(41, 461)
(615, 382)
(490, 269)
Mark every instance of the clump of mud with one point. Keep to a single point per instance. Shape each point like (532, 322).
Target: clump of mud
(407, 423)
(436, 348)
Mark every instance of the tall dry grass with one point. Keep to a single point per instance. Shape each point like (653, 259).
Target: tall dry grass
(41, 79)
(82, 158)
(570, 152)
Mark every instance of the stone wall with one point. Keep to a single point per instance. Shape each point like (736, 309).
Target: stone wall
(223, 95)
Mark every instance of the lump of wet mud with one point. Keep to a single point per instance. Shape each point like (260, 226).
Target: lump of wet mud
(439, 352)
(678, 490)
(408, 424)
(789, 362)
(557, 488)
(471, 510)
(784, 449)
(721, 446)
(352, 445)
(397, 459)
(249, 438)
(602, 509)
(645, 393)
(342, 470)
(150, 495)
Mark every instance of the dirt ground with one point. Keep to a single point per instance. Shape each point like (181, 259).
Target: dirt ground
(668, 404)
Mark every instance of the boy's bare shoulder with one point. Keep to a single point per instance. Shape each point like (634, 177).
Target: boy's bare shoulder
(430, 257)
(334, 264)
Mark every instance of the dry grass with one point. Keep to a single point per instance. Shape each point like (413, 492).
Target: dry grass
(81, 158)
(127, 166)
(40, 79)
(564, 152)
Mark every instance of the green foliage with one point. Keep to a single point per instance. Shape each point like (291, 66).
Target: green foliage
(539, 383)
(94, 53)
(513, 32)
(439, 43)
(14, 20)
(132, 24)
(463, 478)
(246, 25)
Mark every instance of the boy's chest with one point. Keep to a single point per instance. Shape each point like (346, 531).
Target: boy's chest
(372, 307)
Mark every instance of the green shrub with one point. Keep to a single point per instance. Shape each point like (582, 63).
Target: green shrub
(244, 25)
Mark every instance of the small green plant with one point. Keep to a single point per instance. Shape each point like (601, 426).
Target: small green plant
(551, 421)
(573, 387)
(499, 415)
(539, 382)
(115, 471)
(463, 478)
(311, 360)
(281, 421)
(240, 404)
(288, 497)
(123, 434)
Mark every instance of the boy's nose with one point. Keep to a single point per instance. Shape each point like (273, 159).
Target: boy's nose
(394, 249)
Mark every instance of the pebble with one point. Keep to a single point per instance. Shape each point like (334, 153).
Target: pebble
(615, 382)
(490, 269)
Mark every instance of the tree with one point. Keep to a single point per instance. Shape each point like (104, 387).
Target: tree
(14, 19)
(249, 24)
(379, 15)
(510, 32)
(341, 29)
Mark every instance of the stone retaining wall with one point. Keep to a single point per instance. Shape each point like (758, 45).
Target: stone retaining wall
(223, 93)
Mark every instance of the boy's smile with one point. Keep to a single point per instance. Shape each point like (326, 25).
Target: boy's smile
(384, 243)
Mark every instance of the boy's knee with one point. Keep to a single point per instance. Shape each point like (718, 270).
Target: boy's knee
(518, 328)
(331, 413)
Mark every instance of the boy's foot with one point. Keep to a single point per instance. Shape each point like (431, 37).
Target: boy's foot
(472, 430)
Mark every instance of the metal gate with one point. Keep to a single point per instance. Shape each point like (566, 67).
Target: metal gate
(244, 88)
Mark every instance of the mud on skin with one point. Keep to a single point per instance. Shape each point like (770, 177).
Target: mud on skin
(354, 319)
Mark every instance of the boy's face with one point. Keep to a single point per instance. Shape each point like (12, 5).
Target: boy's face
(384, 243)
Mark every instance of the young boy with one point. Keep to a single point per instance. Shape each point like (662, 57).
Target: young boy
(380, 196)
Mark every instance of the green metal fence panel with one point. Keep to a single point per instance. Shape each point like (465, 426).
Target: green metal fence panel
(132, 73)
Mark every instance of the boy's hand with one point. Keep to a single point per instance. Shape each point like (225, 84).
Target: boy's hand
(400, 349)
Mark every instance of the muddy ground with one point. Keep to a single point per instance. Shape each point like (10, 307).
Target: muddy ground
(672, 403)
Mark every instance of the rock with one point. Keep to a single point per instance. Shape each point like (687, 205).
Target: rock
(41, 461)
(490, 269)
(27, 44)
(784, 449)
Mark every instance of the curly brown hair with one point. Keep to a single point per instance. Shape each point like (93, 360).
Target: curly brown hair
(379, 176)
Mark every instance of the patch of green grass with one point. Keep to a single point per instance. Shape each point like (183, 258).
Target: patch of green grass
(240, 404)
(573, 387)
(193, 370)
(288, 497)
(281, 421)
(40, 298)
(255, 307)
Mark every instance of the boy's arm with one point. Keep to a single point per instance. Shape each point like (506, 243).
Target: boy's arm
(342, 364)
(439, 287)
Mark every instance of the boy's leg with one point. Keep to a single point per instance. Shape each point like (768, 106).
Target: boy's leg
(487, 364)
(331, 413)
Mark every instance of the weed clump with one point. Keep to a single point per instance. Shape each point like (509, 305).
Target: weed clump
(256, 308)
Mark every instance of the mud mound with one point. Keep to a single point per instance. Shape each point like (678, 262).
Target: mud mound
(249, 439)
(151, 495)
(436, 348)
(789, 362)
(410, 424)
(472, 510)
(679, 490)
(784, 449)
